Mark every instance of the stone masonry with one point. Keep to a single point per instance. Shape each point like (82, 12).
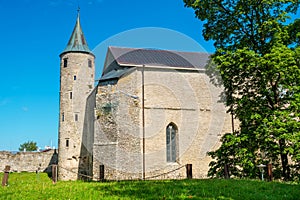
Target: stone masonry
(28, 161)
(185, 98)
(76, 84)
(179, 112)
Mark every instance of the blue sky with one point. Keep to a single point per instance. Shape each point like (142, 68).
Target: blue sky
(34, 33)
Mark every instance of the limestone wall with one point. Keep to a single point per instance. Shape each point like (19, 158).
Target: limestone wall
(184, 98)
(28, 161)
(117, 130)
(76, 84)
(188, 100)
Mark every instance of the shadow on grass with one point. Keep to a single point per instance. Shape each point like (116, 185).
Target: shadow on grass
(199, 189)
(6, 195)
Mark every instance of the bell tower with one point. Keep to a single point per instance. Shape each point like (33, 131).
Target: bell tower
(77, 71)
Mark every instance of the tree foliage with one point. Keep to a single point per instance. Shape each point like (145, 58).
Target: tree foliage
(28, 146)
(258, 58)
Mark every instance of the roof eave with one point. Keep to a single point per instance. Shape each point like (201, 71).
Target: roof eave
(160, 67)
(76, 51)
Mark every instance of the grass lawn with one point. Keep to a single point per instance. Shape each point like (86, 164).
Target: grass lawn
(38, 186)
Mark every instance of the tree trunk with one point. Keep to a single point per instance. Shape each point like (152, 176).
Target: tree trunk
(284, 161)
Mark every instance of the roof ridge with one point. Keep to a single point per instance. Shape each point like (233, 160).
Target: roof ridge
(165, 50)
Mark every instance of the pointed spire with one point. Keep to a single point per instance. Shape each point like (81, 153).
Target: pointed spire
(77, 42)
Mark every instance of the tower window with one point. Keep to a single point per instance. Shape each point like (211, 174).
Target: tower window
(63, 117)
(67, 143)
(74, 77)
(76, 117)
(71, 95)
(172, 143)
(90, 63)
(65, 62)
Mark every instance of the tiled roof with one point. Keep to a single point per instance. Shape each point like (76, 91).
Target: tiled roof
(153, 57)
(77, 42)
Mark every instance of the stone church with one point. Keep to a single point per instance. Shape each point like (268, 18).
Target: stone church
(150, 114)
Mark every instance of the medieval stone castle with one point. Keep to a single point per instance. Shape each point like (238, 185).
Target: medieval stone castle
(150, 113)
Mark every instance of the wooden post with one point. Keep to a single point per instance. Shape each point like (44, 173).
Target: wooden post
(5, 176)
(189, 171)
(101, 173)
(54, 174)
(270, 173)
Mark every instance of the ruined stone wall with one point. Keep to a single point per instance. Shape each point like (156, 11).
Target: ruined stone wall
(28, 161)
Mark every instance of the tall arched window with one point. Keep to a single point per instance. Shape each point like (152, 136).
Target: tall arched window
(171, 142)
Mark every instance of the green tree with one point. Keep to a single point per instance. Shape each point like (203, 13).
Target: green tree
(28, 146)
(257, 57)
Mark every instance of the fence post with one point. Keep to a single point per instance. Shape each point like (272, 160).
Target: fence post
(270, 173)
(101, 172)
(189, 171)
(54, 173)
(5, 176)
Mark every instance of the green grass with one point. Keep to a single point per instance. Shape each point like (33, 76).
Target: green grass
(32, 186)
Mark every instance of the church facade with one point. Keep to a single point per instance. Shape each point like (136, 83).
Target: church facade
(151, 113)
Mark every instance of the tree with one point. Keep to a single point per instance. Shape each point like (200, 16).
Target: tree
(28, 146)
(258, 58)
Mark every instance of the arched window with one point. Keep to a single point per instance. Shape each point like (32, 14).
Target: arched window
(171, 142)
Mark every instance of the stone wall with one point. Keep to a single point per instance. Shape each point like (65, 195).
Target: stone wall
(181, 97)
(188, 100)
(76, 84)
(85, 168)
(28, 161)
(117, 130)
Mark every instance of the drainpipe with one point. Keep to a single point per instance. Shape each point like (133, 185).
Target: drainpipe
(143, 118)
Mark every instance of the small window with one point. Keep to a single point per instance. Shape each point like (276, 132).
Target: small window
(74, 77)
(71, 95)
(67, 143)
(76, 117)
(172, 143)
(65, 62)
(63, 117)
(90, 63)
